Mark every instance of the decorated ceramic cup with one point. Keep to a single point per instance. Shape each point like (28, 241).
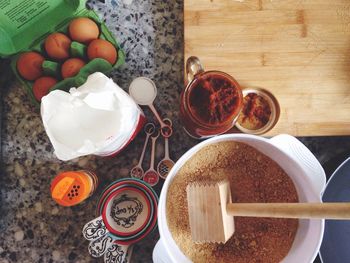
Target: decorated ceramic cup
(127, 212)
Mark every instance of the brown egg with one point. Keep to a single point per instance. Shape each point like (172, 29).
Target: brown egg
(100, 48)
(29, 65)
(71, 67)
(42, 86)
(57, 46)
(83, 30)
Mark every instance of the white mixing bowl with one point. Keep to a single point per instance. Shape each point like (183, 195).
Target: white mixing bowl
(296, 160)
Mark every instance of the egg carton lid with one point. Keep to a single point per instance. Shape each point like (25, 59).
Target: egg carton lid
(25, 22)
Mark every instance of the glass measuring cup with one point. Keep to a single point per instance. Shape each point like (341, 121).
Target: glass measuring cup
(211, 101)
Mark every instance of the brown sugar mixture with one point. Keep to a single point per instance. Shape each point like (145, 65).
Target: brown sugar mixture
(253, 177)
(214, 99)
(256, 112)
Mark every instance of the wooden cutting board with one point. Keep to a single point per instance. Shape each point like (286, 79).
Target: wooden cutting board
(297, 49)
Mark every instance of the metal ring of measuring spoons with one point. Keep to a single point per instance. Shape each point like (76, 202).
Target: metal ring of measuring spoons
(168, 122)
(167, 129)
(149, 128)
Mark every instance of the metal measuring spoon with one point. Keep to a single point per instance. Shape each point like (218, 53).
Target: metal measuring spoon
(144, 91)
(137, 171)
(165, 165)
(151, 176)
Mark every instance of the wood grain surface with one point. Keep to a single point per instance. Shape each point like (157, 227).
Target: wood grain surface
(297, 49)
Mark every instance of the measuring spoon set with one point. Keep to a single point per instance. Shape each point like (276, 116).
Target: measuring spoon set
(144, 91)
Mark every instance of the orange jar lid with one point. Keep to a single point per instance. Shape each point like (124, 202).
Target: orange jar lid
(71, 188)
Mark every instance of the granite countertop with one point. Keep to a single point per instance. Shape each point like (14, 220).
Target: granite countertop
(33, 228)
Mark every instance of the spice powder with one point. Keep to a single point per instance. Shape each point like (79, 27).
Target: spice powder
(214, 99)
(256, 112)
(253, 177)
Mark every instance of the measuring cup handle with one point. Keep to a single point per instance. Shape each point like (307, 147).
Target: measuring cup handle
(193, 67)
(117, 254)
(155, 112)
(99, 247)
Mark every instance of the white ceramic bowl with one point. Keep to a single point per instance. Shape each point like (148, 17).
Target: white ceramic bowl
(296, 160)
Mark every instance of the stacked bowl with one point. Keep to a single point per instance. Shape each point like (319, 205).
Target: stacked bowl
(129, 210)
(127, 213)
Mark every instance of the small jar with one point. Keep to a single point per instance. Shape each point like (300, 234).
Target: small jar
(211, 101)
(73, 187)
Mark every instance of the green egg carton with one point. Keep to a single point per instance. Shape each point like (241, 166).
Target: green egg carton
(25, 24)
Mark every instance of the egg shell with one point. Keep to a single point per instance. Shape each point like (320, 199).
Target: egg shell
(29, 65)
(42, 86)
(71, 67)
(100, 48)
(57, 46)
(83, 30)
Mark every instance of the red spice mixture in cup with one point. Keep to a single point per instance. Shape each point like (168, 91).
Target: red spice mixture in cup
(210, 104)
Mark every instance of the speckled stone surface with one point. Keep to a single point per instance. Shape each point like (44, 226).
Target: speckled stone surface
(33, 228)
